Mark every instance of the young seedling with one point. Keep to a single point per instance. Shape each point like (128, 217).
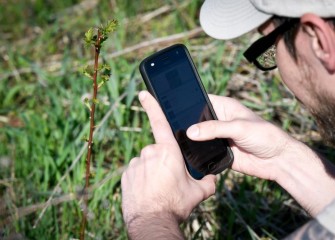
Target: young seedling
(99, 74)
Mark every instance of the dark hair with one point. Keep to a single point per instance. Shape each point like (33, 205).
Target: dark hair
(290, 35)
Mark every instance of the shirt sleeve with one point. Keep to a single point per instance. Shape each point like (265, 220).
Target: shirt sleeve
(322, 227)
(327, 218)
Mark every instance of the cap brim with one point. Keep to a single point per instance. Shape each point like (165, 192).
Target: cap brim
(227, 19)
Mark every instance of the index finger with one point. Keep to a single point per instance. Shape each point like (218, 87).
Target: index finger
(160, 127)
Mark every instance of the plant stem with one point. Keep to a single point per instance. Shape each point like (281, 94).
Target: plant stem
(97, 48)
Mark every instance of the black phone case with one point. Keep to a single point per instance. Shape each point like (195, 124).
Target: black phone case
(151, 90)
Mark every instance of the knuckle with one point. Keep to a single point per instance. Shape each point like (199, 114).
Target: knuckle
(132, 161)
(148, 151)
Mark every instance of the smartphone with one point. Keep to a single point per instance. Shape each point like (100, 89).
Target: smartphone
(171, 77)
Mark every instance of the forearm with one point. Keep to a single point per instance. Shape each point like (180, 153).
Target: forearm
(154, 226)
(308, 178)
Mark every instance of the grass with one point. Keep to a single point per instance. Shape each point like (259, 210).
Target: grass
(43, 120)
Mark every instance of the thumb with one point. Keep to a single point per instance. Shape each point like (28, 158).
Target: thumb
(208, 185)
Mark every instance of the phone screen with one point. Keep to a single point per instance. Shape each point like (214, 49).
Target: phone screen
(177, 87)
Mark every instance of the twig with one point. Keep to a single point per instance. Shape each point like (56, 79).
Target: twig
(143, 18)
(23, 211)
(147, 17)
(97, 47)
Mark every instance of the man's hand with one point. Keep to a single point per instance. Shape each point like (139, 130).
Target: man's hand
(265, 151)
(257, 144)
(156, 187)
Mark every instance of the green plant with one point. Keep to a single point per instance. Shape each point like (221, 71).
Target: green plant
(95, 38)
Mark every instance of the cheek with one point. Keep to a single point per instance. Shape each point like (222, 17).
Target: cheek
(287, 68)
(290, 73)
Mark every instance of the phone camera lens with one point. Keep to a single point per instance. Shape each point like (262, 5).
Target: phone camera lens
(152, 64)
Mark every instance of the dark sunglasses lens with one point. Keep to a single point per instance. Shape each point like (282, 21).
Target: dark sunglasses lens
(268, 59)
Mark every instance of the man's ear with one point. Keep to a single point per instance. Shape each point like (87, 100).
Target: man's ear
(322, 35)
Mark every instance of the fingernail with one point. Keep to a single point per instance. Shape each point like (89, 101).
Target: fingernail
(142, 95)
(193, 131)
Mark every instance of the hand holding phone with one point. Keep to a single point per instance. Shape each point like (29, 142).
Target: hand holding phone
(171, 77)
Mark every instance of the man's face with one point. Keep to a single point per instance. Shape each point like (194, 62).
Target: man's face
(302, 76)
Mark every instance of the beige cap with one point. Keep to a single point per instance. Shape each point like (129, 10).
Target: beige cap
(226, 19)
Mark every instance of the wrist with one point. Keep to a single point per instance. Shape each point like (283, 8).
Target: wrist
(306, 177)
(156, 225)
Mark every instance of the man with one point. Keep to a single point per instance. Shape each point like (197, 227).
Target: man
(303, 34)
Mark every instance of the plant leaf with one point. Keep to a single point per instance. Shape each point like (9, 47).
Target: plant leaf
(89, 36)
(87, 72)
(111, 26)
(96, 101)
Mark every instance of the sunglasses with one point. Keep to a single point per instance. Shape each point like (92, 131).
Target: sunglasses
(262, 53)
